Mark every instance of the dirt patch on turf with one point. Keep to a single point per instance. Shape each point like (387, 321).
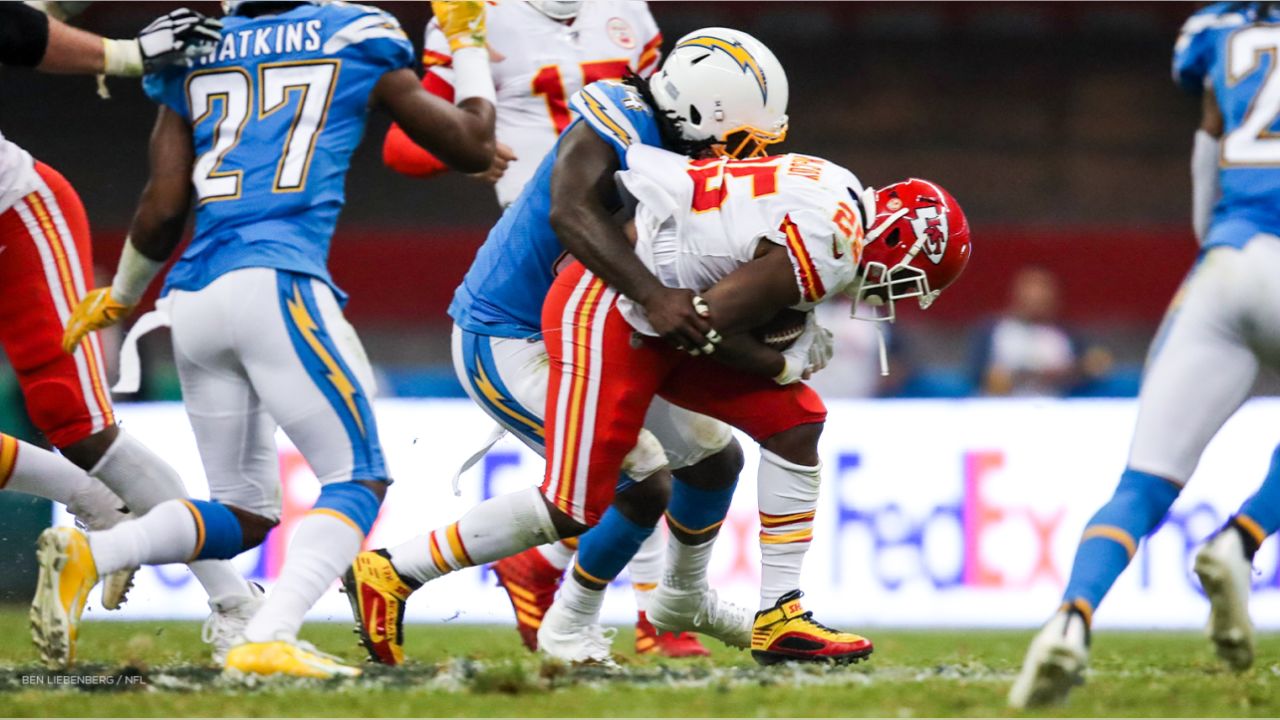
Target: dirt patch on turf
(464, 675)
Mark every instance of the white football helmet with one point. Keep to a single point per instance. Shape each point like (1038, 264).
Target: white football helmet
(558, 9)
(725, 88)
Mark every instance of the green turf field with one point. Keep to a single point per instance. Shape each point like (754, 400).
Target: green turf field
(160, 669)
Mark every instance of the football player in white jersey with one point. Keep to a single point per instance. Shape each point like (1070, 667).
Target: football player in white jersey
(753, 238)
(548, 51)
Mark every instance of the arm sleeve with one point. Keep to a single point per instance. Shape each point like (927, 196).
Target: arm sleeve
(596, 105)
(1204, 182)
(651, 52)
(402, 154)
(24, 35)
(823, 260)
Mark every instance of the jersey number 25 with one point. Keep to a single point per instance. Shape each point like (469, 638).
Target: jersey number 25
(225, 98)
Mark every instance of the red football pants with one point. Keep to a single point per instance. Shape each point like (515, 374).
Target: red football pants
(603, 377)
(46, 265)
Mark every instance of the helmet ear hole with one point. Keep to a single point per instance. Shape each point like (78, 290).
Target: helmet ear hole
(695, 117)
(892, 239)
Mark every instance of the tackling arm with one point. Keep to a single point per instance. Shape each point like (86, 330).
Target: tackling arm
(747, 298)
(461, 136)
(582, 185)
(30, 38)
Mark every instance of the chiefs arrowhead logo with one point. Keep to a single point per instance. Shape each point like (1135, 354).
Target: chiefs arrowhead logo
(930, 224)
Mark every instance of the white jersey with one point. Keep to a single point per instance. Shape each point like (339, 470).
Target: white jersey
(699, 220)
(17, 174)
(543, 63)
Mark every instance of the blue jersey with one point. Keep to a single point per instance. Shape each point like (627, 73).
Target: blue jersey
(1223, 47)
(503, 291)
(275, 114)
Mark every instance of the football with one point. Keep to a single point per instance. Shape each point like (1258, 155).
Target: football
(782, 330)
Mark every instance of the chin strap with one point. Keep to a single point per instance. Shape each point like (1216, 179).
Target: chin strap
(884, 350)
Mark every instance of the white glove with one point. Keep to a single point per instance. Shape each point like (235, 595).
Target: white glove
(801, 356)
(178, 38)
(822, 349)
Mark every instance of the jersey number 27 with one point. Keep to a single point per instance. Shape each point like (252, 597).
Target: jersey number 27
(1253, 142)
(225, 97)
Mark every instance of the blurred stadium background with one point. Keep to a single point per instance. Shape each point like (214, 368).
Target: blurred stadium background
(1055, 125)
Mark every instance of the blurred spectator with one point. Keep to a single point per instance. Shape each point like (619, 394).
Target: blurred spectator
(1028, 352)
(854, 371)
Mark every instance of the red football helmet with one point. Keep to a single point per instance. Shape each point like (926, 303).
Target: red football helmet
(917, 245)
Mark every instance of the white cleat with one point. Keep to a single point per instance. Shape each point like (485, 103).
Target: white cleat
(1226, 575)
(570, 640)
(224, 628)
(1055, 662)
(116, 587)
(702, 611)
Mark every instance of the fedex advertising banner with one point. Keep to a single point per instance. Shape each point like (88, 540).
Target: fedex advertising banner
(933, 513)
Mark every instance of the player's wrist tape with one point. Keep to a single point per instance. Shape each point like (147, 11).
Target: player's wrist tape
(472, 77)
(122, 57)
(134, 273)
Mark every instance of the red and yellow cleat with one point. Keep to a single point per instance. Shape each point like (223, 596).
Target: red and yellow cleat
(531, 583)
(377, 594)
(649, 641)
(787, 632)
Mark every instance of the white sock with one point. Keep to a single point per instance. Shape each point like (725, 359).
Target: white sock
(646, 569)
(144, 480)
(139, 476)
(220, 579)
(167, 534)
(558, 554)
(788, 497)
(686, 567)
(322, 547)
(496, 528)
(580, 602)
(26, 468)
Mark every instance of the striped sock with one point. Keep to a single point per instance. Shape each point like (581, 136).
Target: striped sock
(646, 569)
(496, 528)
(788, 495)
(1112, 535)
(1259, 516)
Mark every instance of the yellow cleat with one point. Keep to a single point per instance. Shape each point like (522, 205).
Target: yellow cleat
(67, 574)
(787, 632)
(284, 657)
(377, 594)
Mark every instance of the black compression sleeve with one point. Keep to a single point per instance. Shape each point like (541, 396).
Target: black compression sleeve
(24, 34)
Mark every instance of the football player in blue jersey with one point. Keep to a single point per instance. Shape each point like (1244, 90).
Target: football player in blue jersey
(261, 132)
(720, 92)
(1223, 324)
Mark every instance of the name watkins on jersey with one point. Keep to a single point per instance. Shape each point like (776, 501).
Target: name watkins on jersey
(301, 36)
